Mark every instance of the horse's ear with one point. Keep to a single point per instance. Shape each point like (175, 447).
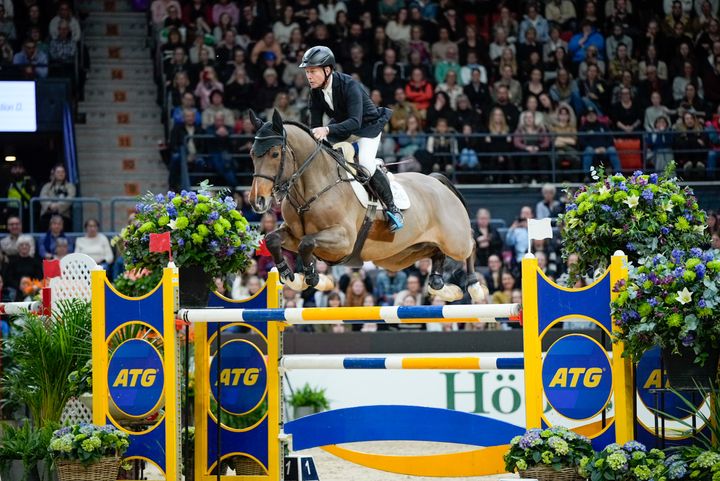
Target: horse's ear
(255, 120)
(277, 122)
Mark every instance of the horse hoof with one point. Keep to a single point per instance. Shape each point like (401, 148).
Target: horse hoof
(297, 283)
(325, 284)
(478, 293)
(448, 293)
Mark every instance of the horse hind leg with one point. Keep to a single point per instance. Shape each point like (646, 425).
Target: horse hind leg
(437, 286)
(478, 291)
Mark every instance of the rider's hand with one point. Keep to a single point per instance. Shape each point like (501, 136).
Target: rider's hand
(320, 133)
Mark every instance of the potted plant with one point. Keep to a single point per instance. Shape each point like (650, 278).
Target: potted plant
(693, 463)
(84, 452)
(209, 237)
(137, 282)
(44, 351)
(673, 301)
(642, 215)
(24, 452)
(552, 454)
(308, 400)
(628, 462)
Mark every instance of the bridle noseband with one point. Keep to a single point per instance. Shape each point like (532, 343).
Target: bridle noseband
(280, 189)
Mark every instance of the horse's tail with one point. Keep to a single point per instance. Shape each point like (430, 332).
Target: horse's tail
(446, 182)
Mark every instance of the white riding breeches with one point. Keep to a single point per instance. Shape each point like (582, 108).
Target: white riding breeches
(367, 151)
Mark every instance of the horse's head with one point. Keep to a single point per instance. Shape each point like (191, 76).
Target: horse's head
(268, 154)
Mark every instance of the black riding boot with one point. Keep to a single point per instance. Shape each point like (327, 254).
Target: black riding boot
(381, 185)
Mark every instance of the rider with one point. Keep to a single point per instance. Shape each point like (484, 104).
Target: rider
(355, 118)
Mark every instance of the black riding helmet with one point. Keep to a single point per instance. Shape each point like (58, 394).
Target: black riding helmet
(319, 56)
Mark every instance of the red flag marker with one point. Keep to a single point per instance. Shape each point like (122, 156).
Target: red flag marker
(161, 243)
(262, 250)
(51, 268)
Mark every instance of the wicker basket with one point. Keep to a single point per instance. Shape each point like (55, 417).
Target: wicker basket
(106, 469)
(245, 466)
(547, 473)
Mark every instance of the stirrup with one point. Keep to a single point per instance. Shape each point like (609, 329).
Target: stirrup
(396, 221)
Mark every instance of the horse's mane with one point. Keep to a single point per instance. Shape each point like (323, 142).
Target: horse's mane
(325, 145)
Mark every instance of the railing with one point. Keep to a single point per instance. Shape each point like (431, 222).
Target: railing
(114, 202)
(73, 200)
(559, 164)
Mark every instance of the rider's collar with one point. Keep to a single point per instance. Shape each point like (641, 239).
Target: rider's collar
(327, 89)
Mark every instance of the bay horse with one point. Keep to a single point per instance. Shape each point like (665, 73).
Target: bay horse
(323, 215)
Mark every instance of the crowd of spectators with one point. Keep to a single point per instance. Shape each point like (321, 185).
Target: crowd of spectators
(473, 84)
(38, 38)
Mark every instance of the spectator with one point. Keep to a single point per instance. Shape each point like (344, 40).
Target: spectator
(621, 63)
(418, 44)
(473, 44)
(487, 239)
(533, 19)
(613, 42)
(23, 265)
(688, 77)
(398, 29)
(477, 93)
(268, 89)
(47, 246)
(413, 288)
(499, 44)
(440, 108)
(159, 10)
(402, 109)
(530, 138)
(412, 139)
(250, 26)
(554, 42)
(563, 126)
(691, 102)
(329, 10)
(448, 64)
(196, 15)
(498, 142)
(225, 50)
(8, 244)
(511, 85)
(388, 84)
(33, 61)
(95, 244)
(467, 69)
(204, 62)
(357, 64)
(65, 13)
(706, 42)
(181, 137)
(268, 43)
(506, 20)
(507, 286)
(653, 83)
(676, 16)
(653, 36)
(440, 48)
(180, 87)
(561, 14)
(507, 58)
(451, 88)
(238, 90)
(535, 85)
(529, 46)
(560, 61)
(659, 143)
(580, 42)
(224, 25)
(6, 50)
(388, 284)
(621, 15)
(21, 188)
(379, 44)
(517, 235)
(287, 111)
(591, 58)
(219, 150)
(442, 144)
(690, 145)
(594, 91)
(217, 107)
(225, 6)
(712, 129)
(466, 115)
(711, 83)
(58, 187)
(208, 84)
(548, 206)
(7, 26)
(9, 8)
(651, 59)
(187, 103)
(564, 89)
(655, 110)
(532, 106)
(468, 146)
(284, 27)
(626, 115)
(597, 141)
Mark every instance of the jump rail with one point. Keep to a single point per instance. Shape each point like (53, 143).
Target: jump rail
(19, 307)
(401, 362)
(480, 313)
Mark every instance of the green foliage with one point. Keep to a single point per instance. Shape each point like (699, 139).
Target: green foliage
(694, 413)
(81, 380)
(205, 229)
(310, 397)
(136, 283)
(25, 443)
(693, 463)
(88, 443)
(628, 462)
(44, 352)
(642, 215)
(556, 447)
(672, 302)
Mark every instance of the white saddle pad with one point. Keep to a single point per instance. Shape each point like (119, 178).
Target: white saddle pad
(402, 200)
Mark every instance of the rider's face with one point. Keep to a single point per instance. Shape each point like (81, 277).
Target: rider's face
(315, 76)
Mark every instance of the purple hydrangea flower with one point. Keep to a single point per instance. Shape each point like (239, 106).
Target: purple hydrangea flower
(139, 207)
(193, 197)
(700, 270)
(171, 195)
(622, 186)
(214, 215)
(653, 178)
(653, 302)
(664, 230)
(688, 216)
(679, 271)
(708, 256)
(570, 207)
(637, 173)
(171, 210)
(159, 198)
(214, 245)
(631, 247)
(696, 252)
(647, 195)
(702, 304)
(181, 242)
(230, 203)
(677, 255)
(631, 446)
(606, 208)
(688, 340)
(184, 193)
(230, 251)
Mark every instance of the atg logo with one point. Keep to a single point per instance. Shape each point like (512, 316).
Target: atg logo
(578, 376)
(136, 378)
(243, 376)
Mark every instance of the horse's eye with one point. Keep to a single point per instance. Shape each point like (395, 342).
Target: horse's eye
(275, 155)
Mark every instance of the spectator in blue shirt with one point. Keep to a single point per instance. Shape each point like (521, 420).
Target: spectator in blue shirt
(35, 62)
(537, 21)
(580, 42)
(49, 242)
(517, 235)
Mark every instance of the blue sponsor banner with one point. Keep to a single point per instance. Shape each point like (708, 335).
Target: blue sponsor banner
(243, 377)
(136, 378)
(577, 377)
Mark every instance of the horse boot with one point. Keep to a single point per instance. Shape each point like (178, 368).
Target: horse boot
(381, 185)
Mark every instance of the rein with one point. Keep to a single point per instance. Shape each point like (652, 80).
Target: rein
(282, 189)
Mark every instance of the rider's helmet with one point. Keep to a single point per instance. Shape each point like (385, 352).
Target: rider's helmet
(319, 56)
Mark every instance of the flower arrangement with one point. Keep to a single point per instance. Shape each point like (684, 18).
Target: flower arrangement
(642, 215)
(556, 447)
(206, 229)
(628, 462)
(88, 443)
(693, 463)
(671, 302)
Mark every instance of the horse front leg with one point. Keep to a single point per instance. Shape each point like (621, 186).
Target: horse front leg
(275, 241)
(334, 238)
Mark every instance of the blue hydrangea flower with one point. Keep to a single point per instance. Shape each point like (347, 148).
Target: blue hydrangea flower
(214, 245)
(653, 178)
(677, 255)
(637, 173)
(570, 207)
(193, 197)
(679, 271)
(688, 340)
(702, 304)
(171, 195)
(214, 215)
(181, 242)
(631, 247)
(708, 256)
(622, 186)
(230, 251)
(159, 198)
(171, 210)
(139, 207)
(653, 302)
(230, 203)
(184, 193)
(696, 252)
(606, 208)
(664, 230)
(631, 446)
(700, 270)
(647, 195)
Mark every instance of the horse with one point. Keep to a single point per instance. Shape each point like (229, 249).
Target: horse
(323, 216)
